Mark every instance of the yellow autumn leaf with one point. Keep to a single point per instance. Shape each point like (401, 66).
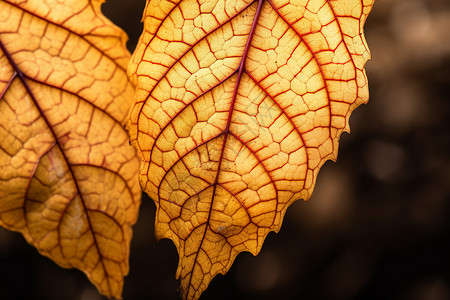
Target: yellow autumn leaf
(68, 176)
(238, 105)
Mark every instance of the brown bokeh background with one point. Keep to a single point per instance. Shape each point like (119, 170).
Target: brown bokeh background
(377, 224)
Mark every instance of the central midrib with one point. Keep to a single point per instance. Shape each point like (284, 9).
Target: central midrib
(23, 79)
(227, 128)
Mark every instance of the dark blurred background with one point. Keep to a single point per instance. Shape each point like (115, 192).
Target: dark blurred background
(377, 224)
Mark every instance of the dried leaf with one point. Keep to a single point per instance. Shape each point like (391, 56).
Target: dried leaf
(238, 106)
(68, 176)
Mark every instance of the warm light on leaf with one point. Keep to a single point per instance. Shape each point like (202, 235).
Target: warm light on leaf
(238, 106)
(68, 176)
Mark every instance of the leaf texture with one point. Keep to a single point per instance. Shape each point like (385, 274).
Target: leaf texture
(239, 103)
(68, 176)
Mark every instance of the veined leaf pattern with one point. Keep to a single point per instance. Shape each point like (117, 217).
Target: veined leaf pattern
(239, 104)
(68, 176)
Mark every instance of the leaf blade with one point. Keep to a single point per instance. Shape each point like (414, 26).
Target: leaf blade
(238, 107)
(67, 168)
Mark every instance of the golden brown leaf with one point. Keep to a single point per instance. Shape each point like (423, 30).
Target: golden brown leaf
(68, 176)
(238, 106)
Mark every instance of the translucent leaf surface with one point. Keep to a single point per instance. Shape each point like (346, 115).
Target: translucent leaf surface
(239, 104)
(68, 176)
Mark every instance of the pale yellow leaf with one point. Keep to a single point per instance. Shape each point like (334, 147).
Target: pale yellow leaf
(68, 176)
(239, 104)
